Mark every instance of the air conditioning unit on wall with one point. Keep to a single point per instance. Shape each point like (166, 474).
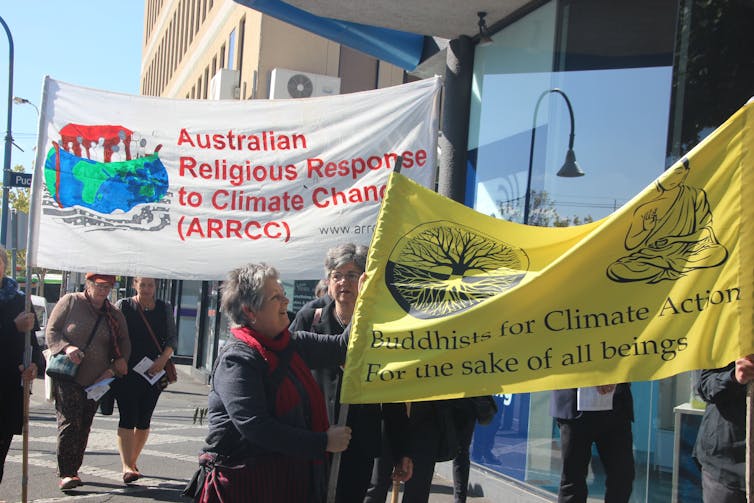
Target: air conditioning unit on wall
(224, 85)
(286, 83)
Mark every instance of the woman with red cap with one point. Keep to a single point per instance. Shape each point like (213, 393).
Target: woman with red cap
(93, 334)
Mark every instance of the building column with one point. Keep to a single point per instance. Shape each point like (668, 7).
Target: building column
(453, 141)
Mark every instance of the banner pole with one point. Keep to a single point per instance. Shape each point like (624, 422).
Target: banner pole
(396, 483)
(31, 235)
(749, 431)
(332, 483)
(396, 490)
(27, 393)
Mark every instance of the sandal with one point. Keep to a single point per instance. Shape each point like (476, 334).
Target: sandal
(130, 477)
(68, 483)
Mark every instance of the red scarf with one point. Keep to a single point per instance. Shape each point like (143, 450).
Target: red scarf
(287, 394)
(114, 331)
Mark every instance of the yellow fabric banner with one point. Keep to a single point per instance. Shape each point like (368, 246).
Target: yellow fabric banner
(461, 304)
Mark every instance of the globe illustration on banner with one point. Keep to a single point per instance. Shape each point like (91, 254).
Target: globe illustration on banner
(104, 186)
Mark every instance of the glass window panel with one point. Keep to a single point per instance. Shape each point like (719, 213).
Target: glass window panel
(187, 311)
(620, 131)
(618, 79)
(232, 50)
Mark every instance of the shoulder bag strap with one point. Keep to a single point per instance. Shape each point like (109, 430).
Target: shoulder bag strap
(91, 336)
(146, 322)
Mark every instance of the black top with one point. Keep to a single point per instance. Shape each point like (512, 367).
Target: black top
(160, 319)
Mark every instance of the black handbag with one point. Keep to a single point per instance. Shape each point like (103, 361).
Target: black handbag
(107, 403)
(61, 367)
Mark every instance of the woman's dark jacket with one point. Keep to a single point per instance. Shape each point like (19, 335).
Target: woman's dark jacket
(11, 357)
(241, 424)
(364, 419)
(720, 446)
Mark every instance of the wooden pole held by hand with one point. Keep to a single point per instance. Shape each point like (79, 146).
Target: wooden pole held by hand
(332, 484)
(396, 491)
(749, 439)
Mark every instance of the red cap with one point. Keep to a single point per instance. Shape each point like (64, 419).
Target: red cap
(100, 278)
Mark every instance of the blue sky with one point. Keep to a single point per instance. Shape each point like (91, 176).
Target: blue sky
(92, 43)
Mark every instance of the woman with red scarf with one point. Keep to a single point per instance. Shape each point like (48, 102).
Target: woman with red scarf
(268, 427)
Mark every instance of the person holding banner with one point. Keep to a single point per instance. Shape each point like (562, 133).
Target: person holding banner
(344, 265)
(153, 334)
(268, 428)
(14, 323)
(93, 335)
(600, 415)
(720, 448)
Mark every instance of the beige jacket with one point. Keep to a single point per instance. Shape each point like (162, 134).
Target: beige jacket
(72, 321)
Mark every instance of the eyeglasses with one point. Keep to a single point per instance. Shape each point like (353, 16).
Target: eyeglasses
(349, 276)
(102, 286)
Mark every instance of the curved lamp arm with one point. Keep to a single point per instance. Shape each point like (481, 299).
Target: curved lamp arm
(570, 168)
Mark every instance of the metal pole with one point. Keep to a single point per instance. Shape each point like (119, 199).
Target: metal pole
(3, 235)
(8, 137)
(527, 196)
(14, 247)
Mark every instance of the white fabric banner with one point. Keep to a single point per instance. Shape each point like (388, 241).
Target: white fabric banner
(190, 189)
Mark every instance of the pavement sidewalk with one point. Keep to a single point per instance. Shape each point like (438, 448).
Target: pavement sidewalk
(167, 462)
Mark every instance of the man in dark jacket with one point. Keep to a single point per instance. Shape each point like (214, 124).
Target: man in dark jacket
(582, 424)
(720, 447)
(14, 325)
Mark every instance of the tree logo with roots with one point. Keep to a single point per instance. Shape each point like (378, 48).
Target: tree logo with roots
(443, 268)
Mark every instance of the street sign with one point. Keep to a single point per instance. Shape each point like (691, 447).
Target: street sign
(20, 180)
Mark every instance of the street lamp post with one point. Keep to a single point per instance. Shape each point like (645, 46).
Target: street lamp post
(23, 101)
(569, 169)
(3, 235)
(14, 214)
(8, 137)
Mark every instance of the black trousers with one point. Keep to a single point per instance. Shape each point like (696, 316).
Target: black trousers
(136, 399)
(462, 463)
(381, 483)
(5, 440)
(417, 489)
(355, 474)
(612, 435)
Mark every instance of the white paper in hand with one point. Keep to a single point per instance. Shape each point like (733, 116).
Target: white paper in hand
(590, 399)
(98, 389)
(142, 368)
